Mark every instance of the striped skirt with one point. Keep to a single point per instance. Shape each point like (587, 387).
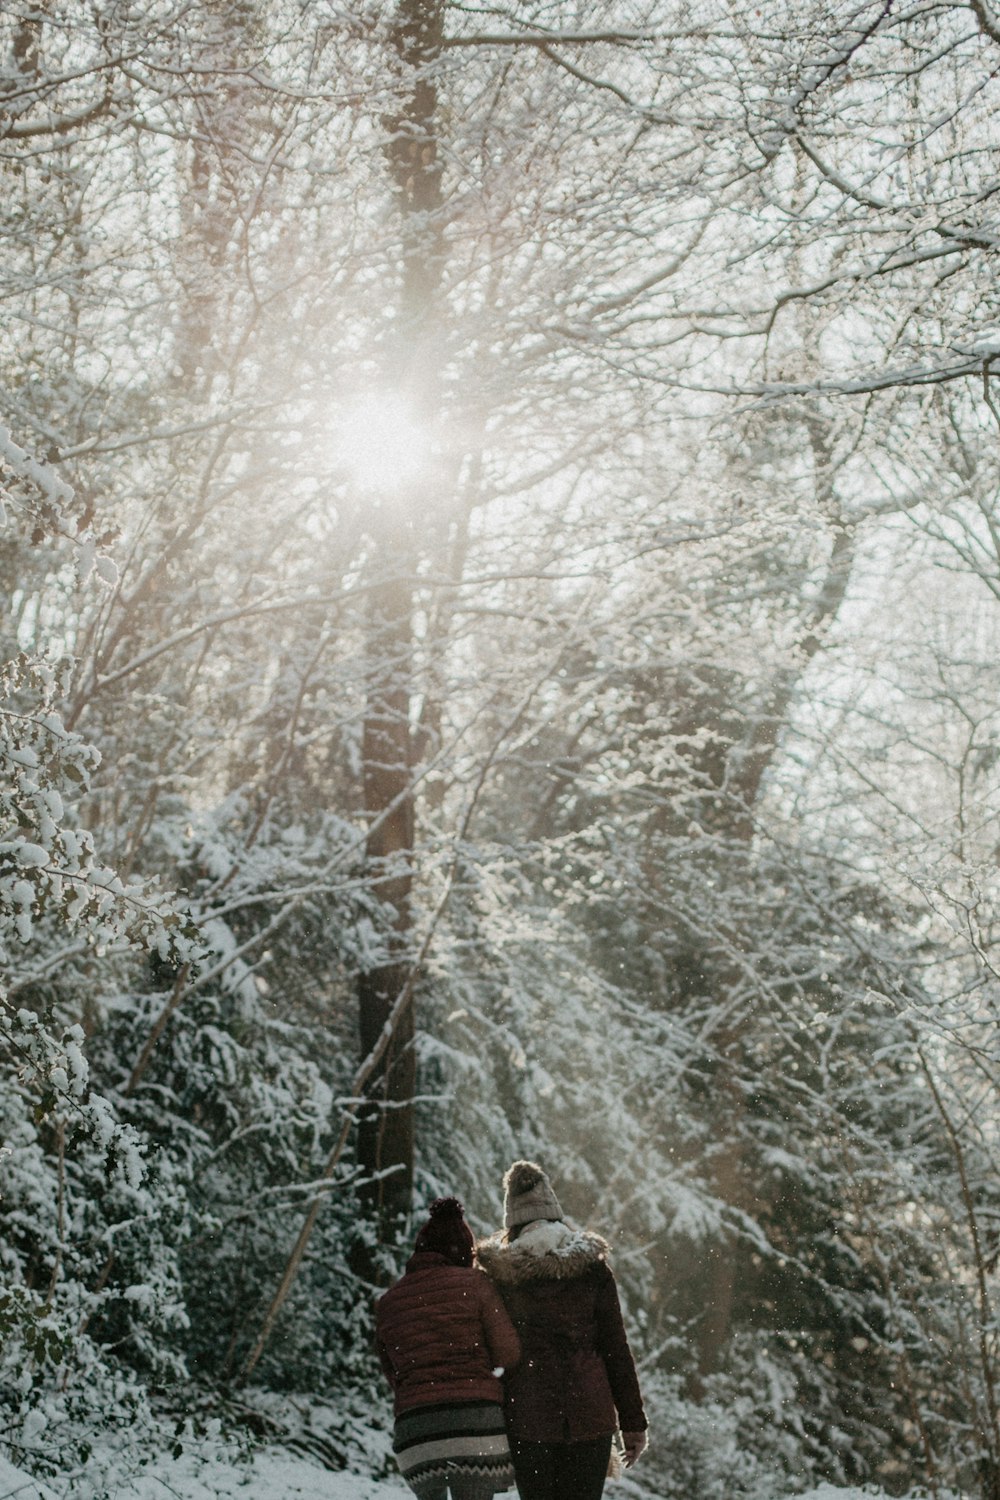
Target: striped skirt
(464, 1441)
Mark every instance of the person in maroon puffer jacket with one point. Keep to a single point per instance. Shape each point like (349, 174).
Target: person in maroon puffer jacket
(576, 1381)
(444, 1340)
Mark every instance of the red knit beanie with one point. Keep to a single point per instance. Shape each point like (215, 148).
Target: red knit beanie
(447, 1232)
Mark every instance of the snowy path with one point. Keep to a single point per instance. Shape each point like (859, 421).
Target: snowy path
(267, 1476)
(279, 1476)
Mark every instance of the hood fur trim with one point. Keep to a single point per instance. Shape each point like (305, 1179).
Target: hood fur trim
(518, 1262)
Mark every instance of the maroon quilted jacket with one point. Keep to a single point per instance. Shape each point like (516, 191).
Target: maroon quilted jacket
(441, 1332)
(576, 1379)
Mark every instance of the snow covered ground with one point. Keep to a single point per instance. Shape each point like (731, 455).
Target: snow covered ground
(268, 1475)
(271, 1475)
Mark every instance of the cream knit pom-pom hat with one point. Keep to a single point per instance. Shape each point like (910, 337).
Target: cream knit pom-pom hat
(528, 1195)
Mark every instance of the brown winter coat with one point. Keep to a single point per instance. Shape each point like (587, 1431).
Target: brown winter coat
(576, 1379)
(441, 1332)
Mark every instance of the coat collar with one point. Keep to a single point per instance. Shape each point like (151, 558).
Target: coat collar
(545, 1251)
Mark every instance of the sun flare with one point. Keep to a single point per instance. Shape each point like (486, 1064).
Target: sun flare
(381, 442)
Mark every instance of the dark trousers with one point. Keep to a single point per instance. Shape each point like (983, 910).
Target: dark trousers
(465, 1487)
(561, 1471)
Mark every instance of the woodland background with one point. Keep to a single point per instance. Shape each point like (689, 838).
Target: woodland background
(501, 592)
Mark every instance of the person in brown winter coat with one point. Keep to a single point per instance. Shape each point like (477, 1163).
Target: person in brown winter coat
(444, 1340)
(576, 1381)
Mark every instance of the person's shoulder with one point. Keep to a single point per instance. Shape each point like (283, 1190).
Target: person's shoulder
(595, 1257)
(389, 1296)
(467, 1285)
(472, 1279)
(461, 1275)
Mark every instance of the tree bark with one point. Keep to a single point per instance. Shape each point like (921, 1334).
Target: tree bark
(385, 1127)
(385, 1122)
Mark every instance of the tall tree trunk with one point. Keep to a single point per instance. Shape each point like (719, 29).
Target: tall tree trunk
(385, 1131)
(385, 1124)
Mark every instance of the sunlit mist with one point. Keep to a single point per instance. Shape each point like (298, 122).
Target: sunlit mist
(382, 443)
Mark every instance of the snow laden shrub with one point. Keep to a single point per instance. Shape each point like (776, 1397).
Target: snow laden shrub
(49, 866)
(239, 1111)
(243, 1094)
(721, 1447)
(75, 1186)
(73, 1190)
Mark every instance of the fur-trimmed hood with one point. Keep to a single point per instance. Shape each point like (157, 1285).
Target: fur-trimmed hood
(546, 1251)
